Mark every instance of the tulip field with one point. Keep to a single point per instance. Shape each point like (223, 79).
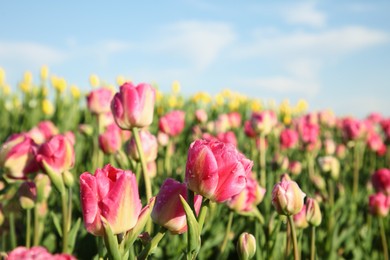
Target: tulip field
(126, 171)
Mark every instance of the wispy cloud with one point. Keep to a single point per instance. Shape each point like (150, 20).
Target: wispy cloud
(306, 14)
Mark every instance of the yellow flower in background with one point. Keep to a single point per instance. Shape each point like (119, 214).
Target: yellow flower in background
(160, 110)
(172, 101)
(159, 95)
(287, 119)
(176, 87)
(284, 107)
(44, 72)
(94, 80)
(120, 80)
(302, 106)
(234, 104)
(28, 77)
(45, 91)
(25, 87)
(256, 105)
(6, 90)
(2, 76)
(75, 91)
(60, 85)
(227, 93)
(219, 99)
(16, 103)
(47, 107)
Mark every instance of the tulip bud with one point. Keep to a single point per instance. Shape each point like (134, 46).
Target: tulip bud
(27, 195)
(295, 167)
(381, 181)
(149, 146)
(313, 212)
(110, 141)
(133, 106)
(68, 178)
(288, 138)
(246, 246)
(86, 129)
(201, 116)
(300, 219)
(263, 122)
(330, 146)
(318, 181)
(168, 210)
(216, 170)
(99, 101)
(341, 151)
(330, 164)
(379, 204)
(287, 198)
(172, 123)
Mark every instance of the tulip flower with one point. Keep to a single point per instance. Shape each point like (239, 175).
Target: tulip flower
(288, 138)
(234, 119)
(216, 170)
(379, 204)
(99, 101)
(263, 122)
(27, 194)
(287, 198)
(381, 181)
(201, 116)
(110, 141)
(300, 219)
(313, 212)
(110, 193)
(353, 129)
(43, 132)
(246, 246)
(168, 210)
(36, 252)
(228, 137)
(133, 106)
(172, 123)
(149, 146)
(17, 156)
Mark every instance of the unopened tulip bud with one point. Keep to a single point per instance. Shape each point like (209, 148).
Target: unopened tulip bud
(172, 123)
(86, 129)
(149, 146)
(379, 204)
(99, 100)
(341, 151)
(287, 198)
(318, 181)
(68, 178)
(381, 181)
(246, 246)
(285, 177)
(27, 195)
(295, 167)
(313, 212)
(300, 219)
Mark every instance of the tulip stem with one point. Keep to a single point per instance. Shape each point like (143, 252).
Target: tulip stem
(313, 243)
(148, 186)
(203, 213)
(36, 226)
(294, 237)
(226, 238)
(355, 170)
(64, 222)
(12, 229)
(152, 244)
(167, 159)
(28, 228)
(263, 177)
(384, 240)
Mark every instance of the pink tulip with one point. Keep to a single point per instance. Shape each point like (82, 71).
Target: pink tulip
(263, 122)
(43, 132)
(57, 153)
(313, 212)
(228, 137)
(249, 197)
(133, 106)
(385, 124)
(381, 181)
(36, 252)
(222, 124)
(71, 137)
(172, 123)
(234, 119)
(374, 117)
(295, 167)
(327, 118)
(149, 146)
(353, 128)
(216, 170)
(17, 156)
(168, 210)
(201, 115)
(248, 130)
(110, 141)
(27, 194)
(287, 198)
(99, 101)
(374, 141)
(300, 219)
(308, 132)
(379, 204)
(288, 138)
(110, 193)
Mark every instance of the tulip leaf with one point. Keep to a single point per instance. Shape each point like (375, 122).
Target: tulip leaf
(110, 240)
(193, 230)
(72, 235)
(56, 222)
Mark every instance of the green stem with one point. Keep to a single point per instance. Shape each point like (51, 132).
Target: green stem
(12, 229)
(36, 226)
(263, 177)
(331, 205)
(294, 238)
(64, 222)
(355, 171)
(152, 244)
(69, 209)
(226, 238)
(203, 214)
(28, 228)
(148, 186)
(100, 155)
(384, 240)
(167, 159)
(313, 243)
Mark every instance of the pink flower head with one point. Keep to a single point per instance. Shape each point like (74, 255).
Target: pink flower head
(110, 193)
(149, 146)
(110, 141)
(374, 141)
(168, 210)
(216, 170)
(287, 198)
(288, 138)
(249, 132)
(57, 153)
(300, 219)
(381, 181)
(353, 128)
(295, 167)
(201, 115)
(172, 123)
(99, 101)
(36, 253)
(133, 106)
(308, 132)
(17, 156)
(263, 122)
(43, 132)
(71, 137)
(327, 118)
(379, 204)
(222, 124)
(249, 197)
(385, 124)
(374, 117)
(234, 119)
(228, 137)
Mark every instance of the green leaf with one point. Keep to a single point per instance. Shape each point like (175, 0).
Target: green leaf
(56, 222)
(110, 240)
(72, 235)
(193, 230)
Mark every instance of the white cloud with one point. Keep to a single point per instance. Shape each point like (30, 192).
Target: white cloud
(30, 53)
(282, 84)
(199, 42)
(305, 13)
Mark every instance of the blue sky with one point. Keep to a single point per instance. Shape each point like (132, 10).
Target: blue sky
(335, 54)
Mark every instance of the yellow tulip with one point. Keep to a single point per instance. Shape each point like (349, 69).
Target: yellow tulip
(47, 107)
(75, 91)
(44, 72)
(94, 80)
(2, 76)
(120, 80)
(176, 87)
